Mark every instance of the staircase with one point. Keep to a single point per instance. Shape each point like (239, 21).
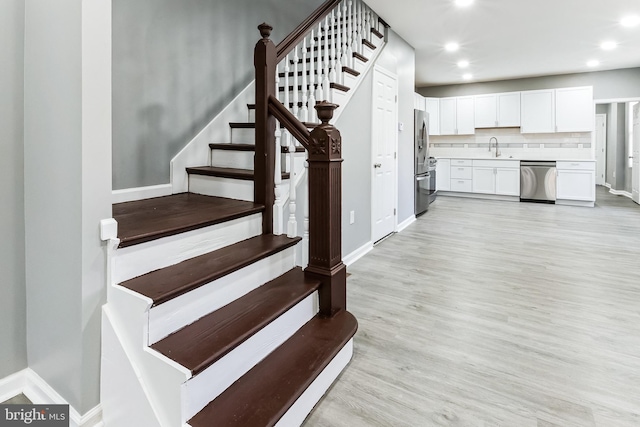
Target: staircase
(211, 319)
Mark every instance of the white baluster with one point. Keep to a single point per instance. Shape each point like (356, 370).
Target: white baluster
(311, 101)
(304, 112)
(278, 210)
(354, 32)
(340, 43)
(305, 234)
(367, 25)
(295, 99)
(349, 52)
(360, 26)
(326, 60)
(318, 70)
(286, 82)
(332, 72)
(292, 225)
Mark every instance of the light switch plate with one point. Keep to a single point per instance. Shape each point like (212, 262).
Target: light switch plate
(400, 126)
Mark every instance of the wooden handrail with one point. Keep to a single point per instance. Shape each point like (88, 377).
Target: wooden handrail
(289, 121)
(296, 36)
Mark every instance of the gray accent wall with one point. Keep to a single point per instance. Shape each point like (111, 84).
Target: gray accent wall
(67, 189)
(616, 147)
(176, 64)
(622, 83)
(13, 345)
(355, 126)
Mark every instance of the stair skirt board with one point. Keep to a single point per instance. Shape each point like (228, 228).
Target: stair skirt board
(178, 312)
(209, 384)
(136, 260)
(299, 411)
(221, 187)
(232, 159)
(243, 136)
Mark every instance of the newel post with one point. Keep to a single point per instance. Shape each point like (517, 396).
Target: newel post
(265, 62)
(325, 212)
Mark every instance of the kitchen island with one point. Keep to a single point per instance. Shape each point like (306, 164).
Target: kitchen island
(499, 178)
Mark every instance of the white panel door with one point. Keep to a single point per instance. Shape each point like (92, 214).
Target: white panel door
(601, 150)
(635, 174)
(384, 135)
(537, 111)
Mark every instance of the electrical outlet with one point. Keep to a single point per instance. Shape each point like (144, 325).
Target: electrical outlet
(352, 217)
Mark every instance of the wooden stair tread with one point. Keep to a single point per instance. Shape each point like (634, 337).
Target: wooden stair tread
(233, 173)
(264, 394)
(377, 33)
(203, 342)
(368, 44)
(360, 57)
(242, 125)
(350, 71)
(232, 147)
(145, 220)
(169, 282)
(337, 86)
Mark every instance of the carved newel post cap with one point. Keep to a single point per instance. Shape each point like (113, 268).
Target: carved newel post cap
(265, 30)
(325, 111)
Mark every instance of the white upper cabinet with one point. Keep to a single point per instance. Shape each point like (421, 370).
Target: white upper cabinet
(508, 109)
(447, 116)
(575, 111)
(486, 111)
(538, 111)
(465, 118)
(497, 110)
(432, 106)
(418, 102)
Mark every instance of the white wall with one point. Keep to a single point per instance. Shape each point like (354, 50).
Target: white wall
(13, 348)
(67, 190)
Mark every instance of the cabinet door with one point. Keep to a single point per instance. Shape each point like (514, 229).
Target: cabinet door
(465, 118)
(575, 111)
(448, 116)
(485, 107)
(537, 111)
(443, 175)
(576, 185)
(508, 109)
(484, 180)
(432, 106)
(418, 102)
(508, 181)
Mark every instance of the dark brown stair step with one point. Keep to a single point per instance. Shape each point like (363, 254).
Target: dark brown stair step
(360, 57)
(169, 282)
(368, 44)
(291, 73)
(251, 106)
(242, 125)
(200, 344)
(338, 86)
(350, 71)
(265, 393)
(145, 220)
(232, 147)
(377, 33)
(233, 173)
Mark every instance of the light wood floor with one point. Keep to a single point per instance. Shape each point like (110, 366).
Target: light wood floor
(487, 313)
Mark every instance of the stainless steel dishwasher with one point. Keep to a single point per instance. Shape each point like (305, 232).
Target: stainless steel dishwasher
(538, 181)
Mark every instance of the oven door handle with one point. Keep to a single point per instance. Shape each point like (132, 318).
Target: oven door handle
(422, 178)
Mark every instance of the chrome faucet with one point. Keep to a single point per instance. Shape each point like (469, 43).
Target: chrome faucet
(497, 150)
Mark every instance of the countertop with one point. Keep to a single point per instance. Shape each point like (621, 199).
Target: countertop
(514, 158)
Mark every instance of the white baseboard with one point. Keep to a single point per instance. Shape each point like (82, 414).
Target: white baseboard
(407, 222)
(139, 193)
(29, 383)
(357, 254)
(620, 193)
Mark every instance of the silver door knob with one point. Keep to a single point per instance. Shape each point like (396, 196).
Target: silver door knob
(377, 165)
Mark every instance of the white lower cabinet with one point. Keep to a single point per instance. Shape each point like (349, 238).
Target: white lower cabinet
(501, 177)
(484, 180)
(508, 181)
(443, 175)
(576, 181)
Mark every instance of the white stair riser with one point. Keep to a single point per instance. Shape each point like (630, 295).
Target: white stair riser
(232, 159)
(139, 259)
(206, 386)
(377, 42)
(367, 52)
(359, 66)
(297, 413)
(176, 313)
(350, 80)
(332, 93)
(251, 116)
(243, 136)
(221, 187)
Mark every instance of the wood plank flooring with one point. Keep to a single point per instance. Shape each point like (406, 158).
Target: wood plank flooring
(488, 313)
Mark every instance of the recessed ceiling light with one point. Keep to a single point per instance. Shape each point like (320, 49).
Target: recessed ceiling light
(463, 3)
(463, 64)
(593, 63)
(467, 76)
(630, 21)
(451, 47)
(608, 45)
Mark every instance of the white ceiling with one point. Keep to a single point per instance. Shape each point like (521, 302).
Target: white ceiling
(504, 39)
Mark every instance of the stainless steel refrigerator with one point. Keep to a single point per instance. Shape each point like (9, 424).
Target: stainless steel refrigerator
(425, 166)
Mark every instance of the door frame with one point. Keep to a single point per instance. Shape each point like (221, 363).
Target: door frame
(604, 153)
(379, 69)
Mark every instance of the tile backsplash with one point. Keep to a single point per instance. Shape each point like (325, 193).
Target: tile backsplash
(513, 143)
